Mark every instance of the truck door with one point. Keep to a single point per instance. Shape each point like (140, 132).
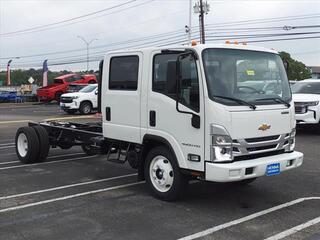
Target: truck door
(121, 96)
(175, 123)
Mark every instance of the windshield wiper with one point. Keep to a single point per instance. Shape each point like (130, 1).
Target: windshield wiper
(242, 102)
(277, 99)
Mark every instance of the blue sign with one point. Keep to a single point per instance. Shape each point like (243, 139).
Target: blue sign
(273, 169)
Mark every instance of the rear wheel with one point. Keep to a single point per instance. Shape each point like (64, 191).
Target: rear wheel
(85, 108)
(27, 144)
(44, 144)
(163, 174)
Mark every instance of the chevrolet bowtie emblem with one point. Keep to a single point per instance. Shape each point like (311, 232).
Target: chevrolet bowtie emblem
(264, 127)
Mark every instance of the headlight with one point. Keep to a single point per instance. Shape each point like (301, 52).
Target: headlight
(315, 103)
(75, 97)
(221, 148)
(291, 141)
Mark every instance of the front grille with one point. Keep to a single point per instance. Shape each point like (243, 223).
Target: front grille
(262, 139)
(66, 99)
(259, 145)
(254, 149)
(257, 155)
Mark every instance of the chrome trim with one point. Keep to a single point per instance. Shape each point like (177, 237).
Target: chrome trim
(242, 145)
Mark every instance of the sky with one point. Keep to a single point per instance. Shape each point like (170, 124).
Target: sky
(32, 31)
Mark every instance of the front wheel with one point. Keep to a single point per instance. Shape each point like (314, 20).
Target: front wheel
(85, 108)
(163, 174)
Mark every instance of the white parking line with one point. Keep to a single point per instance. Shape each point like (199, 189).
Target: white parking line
(45, 163)
(294, 229)
(51, 157)
(6, 144)
(69, 197)
(247, 218)
(67, 186)
(7, 147)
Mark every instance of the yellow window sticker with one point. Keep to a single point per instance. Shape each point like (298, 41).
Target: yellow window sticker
(250, 72)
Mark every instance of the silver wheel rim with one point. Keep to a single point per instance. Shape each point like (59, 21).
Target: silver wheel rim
(22, 145)
(86, 108)
(161, 173)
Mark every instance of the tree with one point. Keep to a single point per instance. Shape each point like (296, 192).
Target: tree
(297, 70)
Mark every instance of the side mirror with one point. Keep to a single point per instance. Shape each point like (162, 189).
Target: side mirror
(96, 92)
(195, 120)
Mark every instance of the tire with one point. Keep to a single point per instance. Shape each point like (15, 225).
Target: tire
(85, 108)
(163, 175)
(44, 144)
(27, 145)
(90, 151)
(57, 96)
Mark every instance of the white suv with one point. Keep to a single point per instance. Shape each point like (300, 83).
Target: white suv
(85, 100)
(306, 97)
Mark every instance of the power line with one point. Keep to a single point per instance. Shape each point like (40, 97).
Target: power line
(45, 26)
(98, 58)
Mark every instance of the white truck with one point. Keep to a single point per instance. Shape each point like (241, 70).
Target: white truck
(84, 101)
(178, 113)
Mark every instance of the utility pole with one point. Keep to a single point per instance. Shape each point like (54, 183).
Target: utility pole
(88, 44)
(201, 8)
(190, 15)
(201, 21)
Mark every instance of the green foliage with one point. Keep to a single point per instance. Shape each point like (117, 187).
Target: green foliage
(20, 76)
(297, 70)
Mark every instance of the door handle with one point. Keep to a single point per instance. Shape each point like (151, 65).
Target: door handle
(152, 118)
(108, 113)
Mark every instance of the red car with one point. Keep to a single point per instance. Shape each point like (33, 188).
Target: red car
(60, 85)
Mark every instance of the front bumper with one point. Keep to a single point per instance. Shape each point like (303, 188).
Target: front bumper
(66, 106)
(237, 171)
(310, 117)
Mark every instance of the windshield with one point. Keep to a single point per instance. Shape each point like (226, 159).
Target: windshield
(306, 87)
(251, 76)
(88, 89)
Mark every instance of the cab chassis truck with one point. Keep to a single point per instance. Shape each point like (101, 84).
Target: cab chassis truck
(183, 112)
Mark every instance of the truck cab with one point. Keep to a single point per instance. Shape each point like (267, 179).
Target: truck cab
(194, 113)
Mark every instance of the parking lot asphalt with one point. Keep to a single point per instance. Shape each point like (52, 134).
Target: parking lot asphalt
(75, 196)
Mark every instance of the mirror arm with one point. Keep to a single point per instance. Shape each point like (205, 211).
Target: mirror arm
(195, 120)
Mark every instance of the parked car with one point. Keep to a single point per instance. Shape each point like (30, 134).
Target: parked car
(8, 96)
(306, 97)
(60, 85)
(83, 101)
